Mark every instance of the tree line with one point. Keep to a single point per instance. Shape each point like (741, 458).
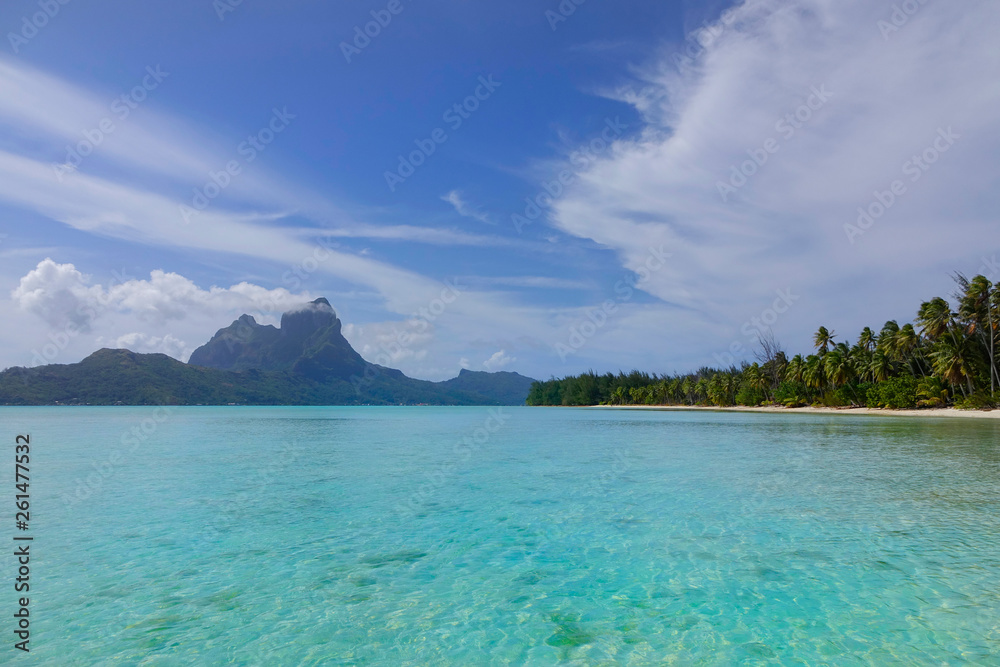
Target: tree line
(945, 357)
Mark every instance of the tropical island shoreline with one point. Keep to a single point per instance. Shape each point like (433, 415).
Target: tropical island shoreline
(878, 412)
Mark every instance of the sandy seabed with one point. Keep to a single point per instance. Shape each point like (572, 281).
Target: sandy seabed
(927, 412)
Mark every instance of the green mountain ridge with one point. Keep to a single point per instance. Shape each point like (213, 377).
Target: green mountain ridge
(306, 361)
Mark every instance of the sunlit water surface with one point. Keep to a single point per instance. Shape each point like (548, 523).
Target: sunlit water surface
(437, 536)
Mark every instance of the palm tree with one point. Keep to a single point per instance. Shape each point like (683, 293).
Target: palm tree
(934, 317)
(837, 366)
(952, 357)
(813, 372)
(867, 339)
(887, 338)
(906, 344)
(687, 388)
(795, 368)
(976, 313)
(701, 389)
(862, 360)
(823, 339)
(880, 367)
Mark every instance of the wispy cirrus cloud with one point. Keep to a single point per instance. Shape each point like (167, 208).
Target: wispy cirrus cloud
(465, 209)
(121, 204)
(891, 95)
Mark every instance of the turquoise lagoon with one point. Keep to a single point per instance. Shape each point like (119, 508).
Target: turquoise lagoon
(457, 536)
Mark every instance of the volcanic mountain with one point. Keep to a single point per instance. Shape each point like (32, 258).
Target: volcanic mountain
(309, 343)
(305, 361)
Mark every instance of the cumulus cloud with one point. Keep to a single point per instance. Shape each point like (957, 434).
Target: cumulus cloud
(59, 294)
(391, 343)
(63, 296)
(498, 361)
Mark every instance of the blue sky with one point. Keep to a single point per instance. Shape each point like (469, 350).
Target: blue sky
(714, 160)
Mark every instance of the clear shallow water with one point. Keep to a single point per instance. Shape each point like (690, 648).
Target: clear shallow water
(287, 536)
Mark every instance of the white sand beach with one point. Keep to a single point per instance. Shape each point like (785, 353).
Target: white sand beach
(928, 412)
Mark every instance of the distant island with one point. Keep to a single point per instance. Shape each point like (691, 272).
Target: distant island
(307, 361)
(947, 360)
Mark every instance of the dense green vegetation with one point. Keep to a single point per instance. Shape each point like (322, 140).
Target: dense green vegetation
(305, 362)
(120, 377)
(947, 357)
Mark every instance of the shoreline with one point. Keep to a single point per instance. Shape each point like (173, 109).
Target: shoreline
(926, 412)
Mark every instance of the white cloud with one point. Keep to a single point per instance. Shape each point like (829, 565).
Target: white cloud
(56, 113)
(429, 235)
(146, 344)
(59, 294)
(498, 361)
(392, 344)
(534, 282)
(785, 226)
(464, 209)
(62, 295)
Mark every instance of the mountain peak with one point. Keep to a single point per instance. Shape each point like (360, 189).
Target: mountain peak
(309, 342)
(304, 321)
